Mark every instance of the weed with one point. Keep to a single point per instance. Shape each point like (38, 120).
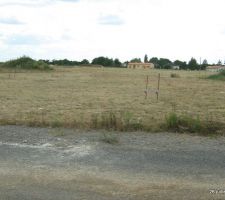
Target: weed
(94, 121)
(56, 124)
(219, 76)
(110, 138)
(174, 75)
(172, 121)
(57, 132)
(186, 123)
(123, 121)
(108, 121)
(183, 123)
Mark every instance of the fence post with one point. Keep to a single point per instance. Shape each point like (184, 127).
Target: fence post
(146, 88)
(158, 87)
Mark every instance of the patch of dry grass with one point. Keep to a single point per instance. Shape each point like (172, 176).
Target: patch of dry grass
(71, 97)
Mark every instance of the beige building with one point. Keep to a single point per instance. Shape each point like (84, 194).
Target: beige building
(216, 68)
(140, 65)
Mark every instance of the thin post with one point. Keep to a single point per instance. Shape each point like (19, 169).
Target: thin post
(158, 87)
(146, 88)
(200, 67)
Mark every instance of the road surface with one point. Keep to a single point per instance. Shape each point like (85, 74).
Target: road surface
(56, 164)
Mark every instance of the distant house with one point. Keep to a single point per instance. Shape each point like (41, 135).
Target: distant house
(125, 64)
(215, 68)
(140, 65)
(91, 65)
(175, 67)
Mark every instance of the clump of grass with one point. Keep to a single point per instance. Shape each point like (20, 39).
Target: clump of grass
(110, 138)
(58, 132)
(56, 124)
(219, 76)
(182, 123)
(116, 121)
(174, 75)
(25, 63)
(189, 124)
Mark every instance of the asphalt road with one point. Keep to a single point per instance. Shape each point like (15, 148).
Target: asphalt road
(55, 164)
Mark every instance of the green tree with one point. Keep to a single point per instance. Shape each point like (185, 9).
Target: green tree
(107, 62)
(155, 61)
(204, 64)
(219, 62)
(192, 64)
(181, 64)
(146, 58)
(117, 63)
(164, 63)
(138, 60)
(84, 62)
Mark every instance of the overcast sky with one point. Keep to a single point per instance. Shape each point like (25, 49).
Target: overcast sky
(124, 29)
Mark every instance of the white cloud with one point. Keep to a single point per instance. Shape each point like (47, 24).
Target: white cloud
(30, 3)
(110, 20)
(10, 21)
(77, 29)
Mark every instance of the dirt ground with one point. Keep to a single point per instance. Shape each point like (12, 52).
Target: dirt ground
(55, 164)
(73, 97)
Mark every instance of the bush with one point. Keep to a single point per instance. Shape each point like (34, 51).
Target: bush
(110, 138)
(183, 123)
(186, 123)
(222, 73)
(220, 76)
(123, 121)
(174, 75)
(25, 63)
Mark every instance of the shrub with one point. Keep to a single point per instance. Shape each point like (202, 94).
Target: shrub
(174, 75)
(218, 76)
(186, 123)
(110, 138)
(222, 73)
(123, 121)
(172, 121)
(26, 63)
(183, 123)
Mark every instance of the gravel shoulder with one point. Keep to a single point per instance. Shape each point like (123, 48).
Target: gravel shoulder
(45, 163)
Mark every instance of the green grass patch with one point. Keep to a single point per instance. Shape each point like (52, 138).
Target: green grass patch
(220, 76)
(123, 121)
(189, 124)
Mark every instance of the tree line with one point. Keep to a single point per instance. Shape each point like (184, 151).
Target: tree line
(160, 63)
(165, 63)
(104, 61)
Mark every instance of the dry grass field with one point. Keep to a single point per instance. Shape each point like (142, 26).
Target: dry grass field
(81, 97)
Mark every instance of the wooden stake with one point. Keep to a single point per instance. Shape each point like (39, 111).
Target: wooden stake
(146, 88)
(158, 87)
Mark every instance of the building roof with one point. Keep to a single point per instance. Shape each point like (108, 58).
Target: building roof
(136, 63)
(215, 67)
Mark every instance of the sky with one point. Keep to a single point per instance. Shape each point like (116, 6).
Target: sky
(124, 29)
